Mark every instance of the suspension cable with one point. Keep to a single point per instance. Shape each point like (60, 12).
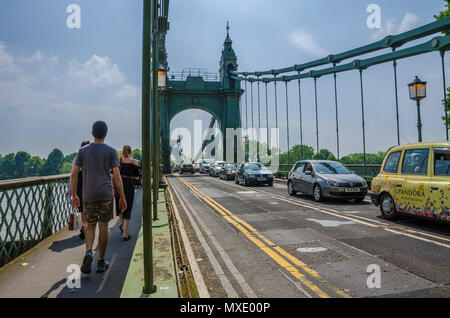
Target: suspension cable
(363, 120)
(337, 115)
(287, 121)
(317, 114)
(396, 99)
(301, 120)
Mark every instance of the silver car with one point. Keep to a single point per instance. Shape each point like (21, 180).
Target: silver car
(322, 178)
(216, 168)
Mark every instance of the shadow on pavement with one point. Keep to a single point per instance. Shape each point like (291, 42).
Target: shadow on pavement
(71, 242)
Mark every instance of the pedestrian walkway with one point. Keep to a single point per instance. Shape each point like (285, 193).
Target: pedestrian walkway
(163, 260)
(41, 272)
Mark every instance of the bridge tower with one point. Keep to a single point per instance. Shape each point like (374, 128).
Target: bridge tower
(219, 98)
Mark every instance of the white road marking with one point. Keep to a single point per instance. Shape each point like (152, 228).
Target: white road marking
(331, 223)
(227, 260)
(312, 249)
(229, 289)
(198, 277)
(246, 192)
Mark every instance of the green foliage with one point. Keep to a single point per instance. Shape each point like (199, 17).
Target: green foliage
(53, 164)
(33, 167)
(297, 153)
(358, 158)
(443, 14)
(19, 164)
(447, 102)
(324, 154)
(137, 154)
(7, 166)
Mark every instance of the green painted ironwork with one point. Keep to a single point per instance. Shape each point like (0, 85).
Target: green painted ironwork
(31, 210)
(390, 41)
(219, 98)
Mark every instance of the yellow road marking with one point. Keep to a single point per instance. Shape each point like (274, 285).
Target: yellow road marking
(240, 225)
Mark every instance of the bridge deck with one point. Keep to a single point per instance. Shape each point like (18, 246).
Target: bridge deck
(41, 272)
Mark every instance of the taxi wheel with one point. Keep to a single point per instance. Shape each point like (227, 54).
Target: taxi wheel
(387, 207)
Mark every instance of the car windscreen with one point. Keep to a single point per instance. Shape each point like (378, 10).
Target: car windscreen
(230, 166)
(254, 166)
(207, 161)
(330, 168)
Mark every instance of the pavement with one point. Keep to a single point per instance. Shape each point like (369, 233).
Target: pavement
(261, 242)
(42, 271)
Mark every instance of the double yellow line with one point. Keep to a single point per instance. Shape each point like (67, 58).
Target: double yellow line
(275, 252)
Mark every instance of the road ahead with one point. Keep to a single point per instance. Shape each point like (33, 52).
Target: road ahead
(260, 242)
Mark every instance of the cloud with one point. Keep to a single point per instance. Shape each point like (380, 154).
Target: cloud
(304, 42)
(52, 104)
(409, 21)
(6, 61)
(97, 72)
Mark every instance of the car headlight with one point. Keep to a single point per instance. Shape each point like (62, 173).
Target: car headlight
(364, 183)
(251, 175)
(333, 183)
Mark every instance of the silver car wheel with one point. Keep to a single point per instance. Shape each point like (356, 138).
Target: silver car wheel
(317, 193)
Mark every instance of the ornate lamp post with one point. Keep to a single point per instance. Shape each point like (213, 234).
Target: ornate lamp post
(417, 92)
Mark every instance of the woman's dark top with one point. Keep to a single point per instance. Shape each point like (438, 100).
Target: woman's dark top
(129, 172)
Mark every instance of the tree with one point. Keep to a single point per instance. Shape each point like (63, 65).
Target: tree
(33, 167)
(446, 102)
(324, 154)
(7, 166)
(19, 164)
(137, 154)
(443, 14)
(53, 163)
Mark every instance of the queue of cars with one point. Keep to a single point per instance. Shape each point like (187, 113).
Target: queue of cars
(414, 180)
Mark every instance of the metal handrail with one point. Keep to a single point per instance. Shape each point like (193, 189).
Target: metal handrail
(31, 210)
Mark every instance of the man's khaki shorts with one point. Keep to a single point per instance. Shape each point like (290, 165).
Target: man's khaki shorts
(98, 212)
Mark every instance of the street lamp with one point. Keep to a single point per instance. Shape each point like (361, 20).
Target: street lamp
(417, 92)
(162, 74)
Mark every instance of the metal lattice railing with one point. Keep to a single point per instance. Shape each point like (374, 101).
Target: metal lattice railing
(31, 210)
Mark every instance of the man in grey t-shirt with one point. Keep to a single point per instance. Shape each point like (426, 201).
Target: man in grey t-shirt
(97, 160)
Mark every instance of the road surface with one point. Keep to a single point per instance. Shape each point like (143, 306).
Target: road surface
(261, 242)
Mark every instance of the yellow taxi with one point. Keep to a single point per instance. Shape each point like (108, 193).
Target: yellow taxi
(414, 179)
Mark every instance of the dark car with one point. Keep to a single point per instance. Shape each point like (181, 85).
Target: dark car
(253, 173)
(176, 167)
(187, 167)
(228, 172)
(322, 178)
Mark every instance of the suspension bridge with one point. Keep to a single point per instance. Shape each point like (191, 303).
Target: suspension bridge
(198, 236)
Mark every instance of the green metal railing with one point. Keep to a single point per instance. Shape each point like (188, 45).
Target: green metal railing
(31, 210)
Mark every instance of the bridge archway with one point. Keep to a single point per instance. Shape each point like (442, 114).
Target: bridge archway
(219, 98)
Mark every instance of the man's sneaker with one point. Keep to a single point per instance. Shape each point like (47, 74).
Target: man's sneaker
(102, 266)
(87, 263)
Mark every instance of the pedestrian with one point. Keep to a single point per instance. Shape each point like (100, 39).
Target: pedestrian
(96, 160)
(129, 171)
(80, 192)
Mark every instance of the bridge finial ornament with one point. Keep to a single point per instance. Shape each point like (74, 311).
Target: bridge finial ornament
(228, 28)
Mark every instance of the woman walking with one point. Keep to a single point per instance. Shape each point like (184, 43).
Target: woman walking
(129, 170)
(80, 192)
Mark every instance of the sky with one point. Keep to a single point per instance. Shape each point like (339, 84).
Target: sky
(55, 81)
